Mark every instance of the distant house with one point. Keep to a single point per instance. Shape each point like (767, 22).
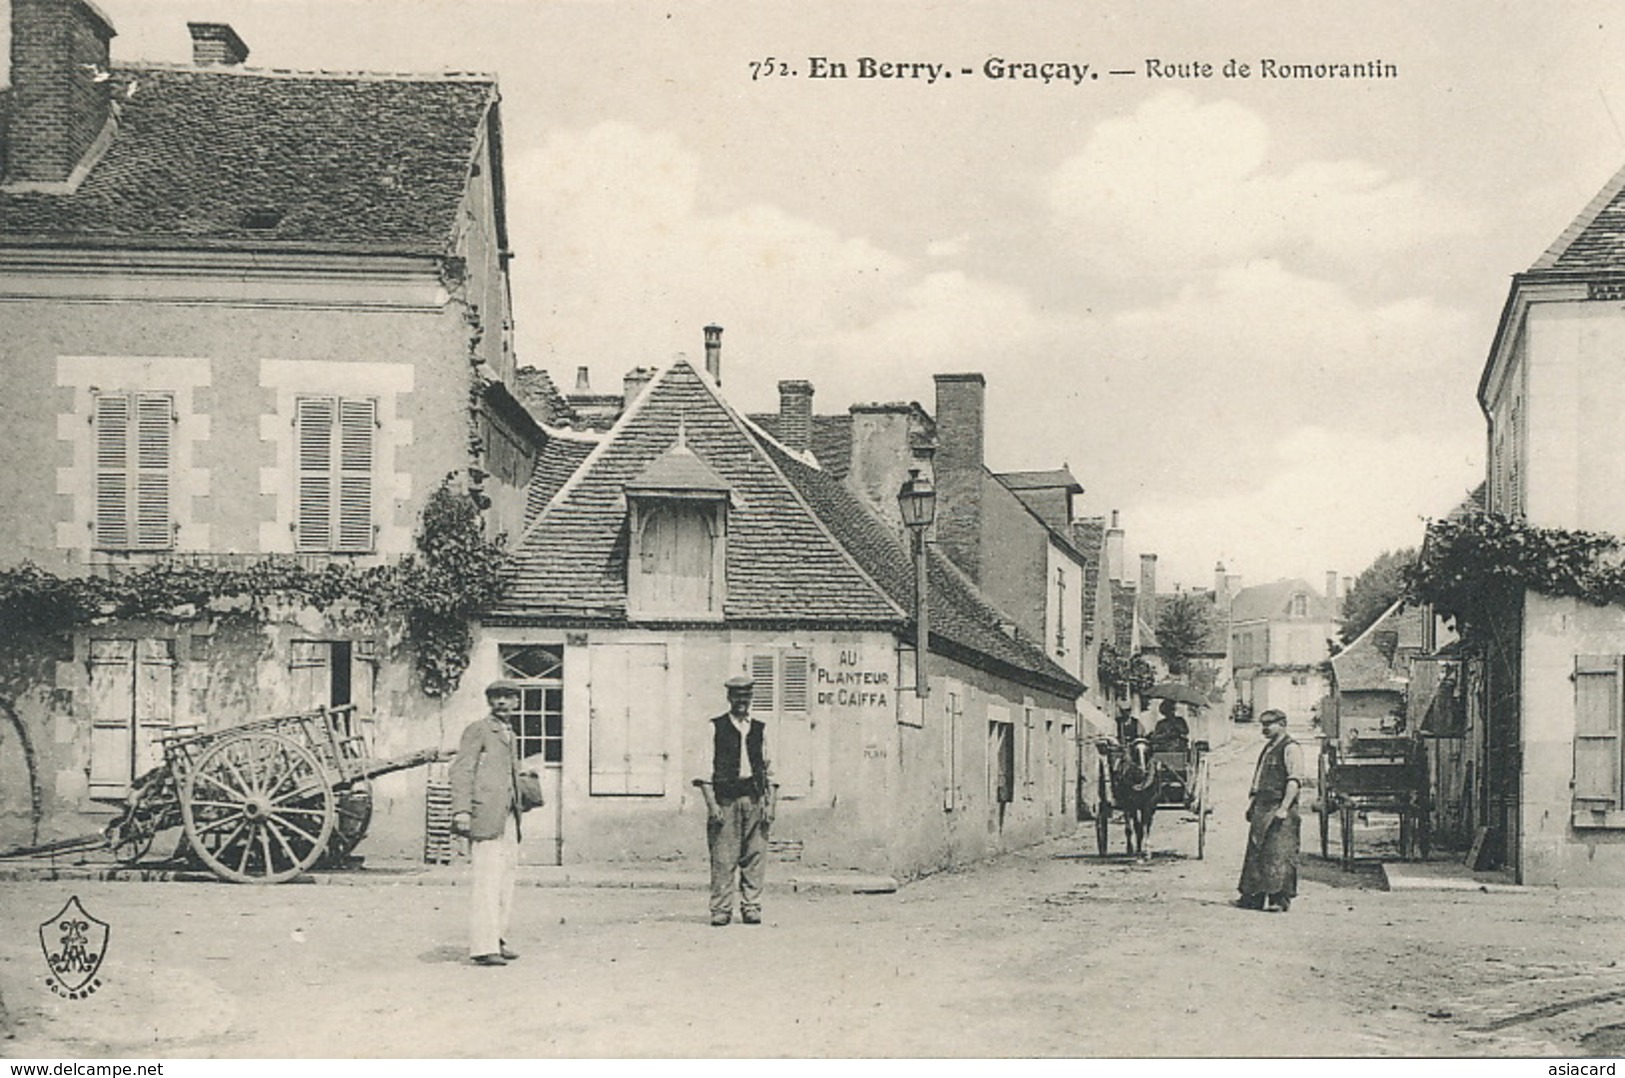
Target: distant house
(687, 544)
(1371, 677)
(1279, 643)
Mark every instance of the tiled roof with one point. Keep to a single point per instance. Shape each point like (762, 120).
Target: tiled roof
(1268, 602)
(782, 563)
(542, 398)
(677, 469)
(1594, 240)
(1122, 615)
(1472, 504)
(1042, 480)
(1377, 660)
(556, 463)
(959, 614)
(801, 546)
(319, 162)
(830, 441)
(1089, 536)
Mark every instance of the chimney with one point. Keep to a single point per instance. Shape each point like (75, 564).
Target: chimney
(216, 44)
(883, 450)
(795, 415)
(583, 383)
(1146, 597)
(713, 352)
(632, 384)
(1221, 584)
(60, 93)
(960, 471)
(1331, 585)
(1114, 551)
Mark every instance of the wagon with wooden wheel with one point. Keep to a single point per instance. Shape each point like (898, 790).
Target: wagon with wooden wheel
(1361, 776)
(261, 802)
(1137, 779)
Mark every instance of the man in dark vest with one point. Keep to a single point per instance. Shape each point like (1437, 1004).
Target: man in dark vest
(740, 800)
(1269, 874)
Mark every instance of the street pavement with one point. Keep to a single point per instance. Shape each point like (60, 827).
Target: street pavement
(1050, 952)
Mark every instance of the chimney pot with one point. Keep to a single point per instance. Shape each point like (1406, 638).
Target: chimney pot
(216, 44)
(1331, 584)
(713, 352)
(632, 384)
(583, 383)
(960, 471)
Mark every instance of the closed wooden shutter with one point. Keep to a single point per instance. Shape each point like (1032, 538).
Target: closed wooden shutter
(1597, 730)
(154, 701)
(790, 743)
(764, 670)
(358, 421)
(313, 422)
(953, 717)
(134, 450)
(626, 745)
(112, 716)
(335, 446)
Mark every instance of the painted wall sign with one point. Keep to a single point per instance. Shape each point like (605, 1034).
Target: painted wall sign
(849, 684)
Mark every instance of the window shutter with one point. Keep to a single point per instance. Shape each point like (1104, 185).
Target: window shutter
(795, 682)
(155, 420)
(764, 698)
(627, 720)
(112, 521)
(1597, 730)
(358, 422)
(112, 711)
(313, 421)
(790, 744)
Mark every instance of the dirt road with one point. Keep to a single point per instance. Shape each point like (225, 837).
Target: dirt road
(1053, 952)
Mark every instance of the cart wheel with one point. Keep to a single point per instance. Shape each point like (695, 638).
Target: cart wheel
(1103, 817)
(130, 843)
(351, 822)
(258, 808)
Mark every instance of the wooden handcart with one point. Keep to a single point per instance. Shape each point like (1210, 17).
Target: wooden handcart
(261, 802)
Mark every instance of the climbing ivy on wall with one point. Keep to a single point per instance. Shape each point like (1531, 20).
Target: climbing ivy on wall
(454, 574)
(1474, 569)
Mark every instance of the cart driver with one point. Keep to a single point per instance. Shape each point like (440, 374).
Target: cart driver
(1171, 729)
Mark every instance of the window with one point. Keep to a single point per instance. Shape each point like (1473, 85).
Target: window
(675, 569)
(540, 722)
(132, 705)
(335, 439)
(332, 673)
(1300, 606)
(781, 699)
(134, 454)
(1001, 763)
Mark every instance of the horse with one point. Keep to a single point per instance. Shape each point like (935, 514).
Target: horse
(1136, 788)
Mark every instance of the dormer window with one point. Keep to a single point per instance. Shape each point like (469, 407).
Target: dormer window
(677, 515)
(1300, 605)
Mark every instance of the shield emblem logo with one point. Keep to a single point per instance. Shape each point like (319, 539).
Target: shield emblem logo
(74, 944)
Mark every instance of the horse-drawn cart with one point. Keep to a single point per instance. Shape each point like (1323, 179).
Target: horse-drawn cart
(259, 803)
(1136, 779)
(1361, 775)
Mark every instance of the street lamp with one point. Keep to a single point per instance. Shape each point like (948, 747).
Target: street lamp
(917, 502)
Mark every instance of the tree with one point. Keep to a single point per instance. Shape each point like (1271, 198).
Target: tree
(1374, 591)
(1183, 629)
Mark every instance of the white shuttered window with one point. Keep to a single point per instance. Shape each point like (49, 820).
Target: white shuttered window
(134, 446)
(1597, 731)
(335, 440)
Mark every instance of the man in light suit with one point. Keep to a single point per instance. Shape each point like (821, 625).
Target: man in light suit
(485, 807)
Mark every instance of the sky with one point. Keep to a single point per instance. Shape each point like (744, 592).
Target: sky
(1249, 314)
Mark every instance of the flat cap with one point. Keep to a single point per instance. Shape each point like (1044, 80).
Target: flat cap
(502, 687)
(740, 681)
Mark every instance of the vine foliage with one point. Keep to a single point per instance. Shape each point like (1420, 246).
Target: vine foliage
(1473, 570)
(454, 574)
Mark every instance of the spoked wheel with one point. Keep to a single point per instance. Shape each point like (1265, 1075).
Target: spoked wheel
(258, 808)
(1103, 819)
(130, 842)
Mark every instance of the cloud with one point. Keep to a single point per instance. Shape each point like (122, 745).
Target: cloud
(1179, 188)
(1333, 501)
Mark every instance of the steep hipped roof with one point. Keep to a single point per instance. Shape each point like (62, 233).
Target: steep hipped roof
(250, 159)
(781, 560)
(1594, 240)
(1377, 660)
(1270, 602)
